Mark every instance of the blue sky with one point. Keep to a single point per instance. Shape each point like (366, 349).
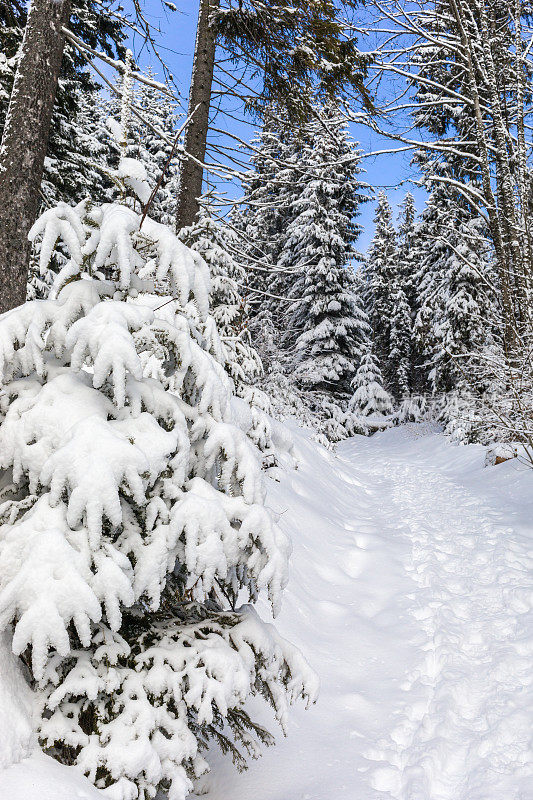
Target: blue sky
(392, 172)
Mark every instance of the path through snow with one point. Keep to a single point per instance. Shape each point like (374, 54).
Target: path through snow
(411, 593)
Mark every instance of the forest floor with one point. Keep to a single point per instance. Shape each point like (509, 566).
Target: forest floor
(411, 593)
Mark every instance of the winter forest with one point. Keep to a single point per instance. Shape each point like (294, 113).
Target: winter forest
(266, 399)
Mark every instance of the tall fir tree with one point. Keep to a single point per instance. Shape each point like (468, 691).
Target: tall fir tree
(407, 241)
(409, 256)
(485, 159)
(387, 304)
(370, 404)
(323, 332)
(68, 173)
(269, 191)
(148, 140)
(154, 151)
(470, 310)
(400, 331)
(226, 330)
(457, 311)
(431, 279)
(219, 245)
(127, 539)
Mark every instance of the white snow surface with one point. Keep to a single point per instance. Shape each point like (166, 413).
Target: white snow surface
(411, 594)
(16, 724)
(39, 777)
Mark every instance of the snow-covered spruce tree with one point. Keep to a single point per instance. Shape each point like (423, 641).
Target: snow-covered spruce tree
(456, 319)
(410, 254)
(140, 141)
(219, 245)
(430, 277)
(226, 328)
(100, 25)
(370, 403)
(96, 145)
(407, 242)
(269, 191)
(132, 516)
(387, 304)
(483, 160)
(12, 22)
(160, 111)
(400, 343)
(94, 140)
(469, 313)
(356, 279)
(68, 167)
(323, 329)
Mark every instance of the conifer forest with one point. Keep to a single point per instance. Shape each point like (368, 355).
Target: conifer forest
(266, 400)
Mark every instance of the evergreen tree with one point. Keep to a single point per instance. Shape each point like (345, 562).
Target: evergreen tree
(468, 316)
(323, 329)
(12, 22)
(95, 146)
(370, 402)
(141, 142)
(457, 305)
(135, 515)
(226, 330)
(409, 258)
(161, 112)
(218, 246)
(389, 312)
(430, 277)
(357, 287)
(269, 191)
(407, 240)
(399, 356)
(92, 161)
(68, 172)
(379, 269)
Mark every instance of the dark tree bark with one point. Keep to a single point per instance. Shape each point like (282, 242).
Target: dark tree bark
(25, 141)
(302, 50)
(191, 173)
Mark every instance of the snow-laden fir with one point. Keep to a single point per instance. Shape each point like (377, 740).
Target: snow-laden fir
(411, 593)
(133, 523)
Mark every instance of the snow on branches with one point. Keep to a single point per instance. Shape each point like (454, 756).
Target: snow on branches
(370, 407)
(132, 517)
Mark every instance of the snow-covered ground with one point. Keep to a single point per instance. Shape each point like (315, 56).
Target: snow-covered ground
(411, 594)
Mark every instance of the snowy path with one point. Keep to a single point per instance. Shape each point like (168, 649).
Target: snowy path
(411, 593)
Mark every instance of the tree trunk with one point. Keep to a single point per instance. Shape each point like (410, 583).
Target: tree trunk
(25, 141)
(191, 172)
(495, 222)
